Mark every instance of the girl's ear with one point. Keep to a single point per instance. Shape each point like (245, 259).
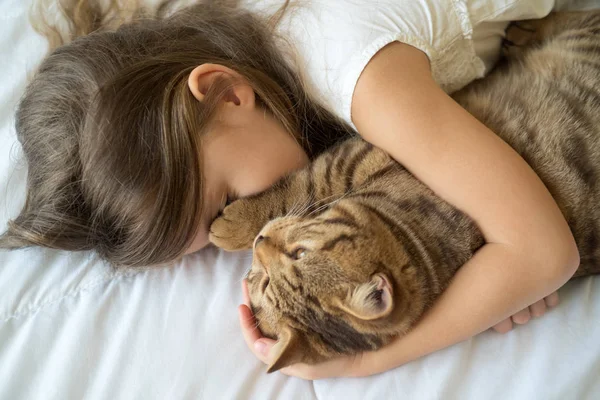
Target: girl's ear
(239, 92)
(371, 300)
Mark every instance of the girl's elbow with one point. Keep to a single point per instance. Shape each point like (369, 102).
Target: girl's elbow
(563, 262)
(572, 260)
(552, 260)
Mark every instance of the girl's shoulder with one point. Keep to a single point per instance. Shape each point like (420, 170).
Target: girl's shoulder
(331, 41)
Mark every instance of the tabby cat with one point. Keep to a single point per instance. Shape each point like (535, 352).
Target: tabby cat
(357, 248)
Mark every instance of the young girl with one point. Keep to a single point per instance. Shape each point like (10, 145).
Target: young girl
(136, 138)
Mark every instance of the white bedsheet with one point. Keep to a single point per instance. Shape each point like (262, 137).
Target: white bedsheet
(72, 329)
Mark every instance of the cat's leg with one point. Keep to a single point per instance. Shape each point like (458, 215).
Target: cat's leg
(522, 35)
(240, 222)
(329, 178)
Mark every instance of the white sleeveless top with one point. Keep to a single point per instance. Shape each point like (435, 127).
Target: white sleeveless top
(333, 40)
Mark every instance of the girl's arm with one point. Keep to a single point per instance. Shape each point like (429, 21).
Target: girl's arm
(530, 251)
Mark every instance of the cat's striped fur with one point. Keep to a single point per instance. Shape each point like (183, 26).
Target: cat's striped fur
(357, 248)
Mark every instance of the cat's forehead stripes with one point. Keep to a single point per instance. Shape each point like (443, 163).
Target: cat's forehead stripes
(291, 225)
(303, 232)
(309, 234)
(281, 224)
(340, 239)
(347, 215)
(349, 222)
(311, 224)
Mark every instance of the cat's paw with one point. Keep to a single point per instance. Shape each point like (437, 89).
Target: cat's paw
(236, 227)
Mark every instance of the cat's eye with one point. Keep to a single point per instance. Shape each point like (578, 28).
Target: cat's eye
(298, 253)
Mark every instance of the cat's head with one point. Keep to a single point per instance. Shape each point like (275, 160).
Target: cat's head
(330, 285)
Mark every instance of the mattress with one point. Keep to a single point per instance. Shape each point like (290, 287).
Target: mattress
(72, 328)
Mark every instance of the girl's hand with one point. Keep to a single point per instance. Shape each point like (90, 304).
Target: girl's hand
(535, 310)
(260, 346)
(355, 366)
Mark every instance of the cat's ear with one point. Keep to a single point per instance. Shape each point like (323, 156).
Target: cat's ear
(371, 300)
(286, 351)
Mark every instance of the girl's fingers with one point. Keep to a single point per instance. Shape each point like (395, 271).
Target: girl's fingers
(259, 345)
(538, 308)
(552, 300)
(504, 326)
(245, 294)
(255, 341)
(522, 317)
(248, 324)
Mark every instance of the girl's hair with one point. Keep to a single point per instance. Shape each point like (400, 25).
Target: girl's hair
(112, 133)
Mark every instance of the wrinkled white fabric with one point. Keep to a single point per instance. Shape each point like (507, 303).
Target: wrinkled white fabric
(333, 40)
(70, 328)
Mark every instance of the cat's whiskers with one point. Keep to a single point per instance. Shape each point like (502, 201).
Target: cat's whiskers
(295, 210)
(245, 275)
(309, 204)
(298, 209)
(337, 199)
(257, 318)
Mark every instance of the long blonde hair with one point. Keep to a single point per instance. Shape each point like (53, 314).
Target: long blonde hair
(111, 132)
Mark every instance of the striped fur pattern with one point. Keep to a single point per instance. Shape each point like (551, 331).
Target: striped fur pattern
(353, 249)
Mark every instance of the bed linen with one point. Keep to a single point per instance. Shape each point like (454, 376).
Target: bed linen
(71, 328)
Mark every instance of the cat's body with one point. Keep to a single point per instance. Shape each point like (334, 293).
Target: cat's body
(357, 248)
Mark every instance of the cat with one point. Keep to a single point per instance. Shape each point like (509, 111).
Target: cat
(350, 251)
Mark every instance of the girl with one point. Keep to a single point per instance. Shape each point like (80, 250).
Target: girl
(136, 138)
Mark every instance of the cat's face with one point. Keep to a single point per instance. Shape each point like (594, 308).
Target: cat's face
(324, 286)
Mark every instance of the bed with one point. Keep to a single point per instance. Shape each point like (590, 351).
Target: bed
(71, 328)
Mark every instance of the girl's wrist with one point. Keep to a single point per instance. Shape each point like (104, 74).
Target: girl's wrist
(359, 366)
(371, 363)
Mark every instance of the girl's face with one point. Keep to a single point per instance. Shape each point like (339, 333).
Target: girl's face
(245, 152)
